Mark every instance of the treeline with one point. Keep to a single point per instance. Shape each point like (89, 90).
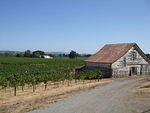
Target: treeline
(7, 55)
(38, 53)
(34, 54)
(73, 55)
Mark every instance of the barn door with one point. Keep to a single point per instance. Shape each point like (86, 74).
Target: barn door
(133, 71)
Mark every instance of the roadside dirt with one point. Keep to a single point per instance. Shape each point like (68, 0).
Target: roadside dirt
(117, 97)
(143, 90)
(27, 100)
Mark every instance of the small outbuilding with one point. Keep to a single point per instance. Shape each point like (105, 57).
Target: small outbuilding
(119, 60)
(46, 57)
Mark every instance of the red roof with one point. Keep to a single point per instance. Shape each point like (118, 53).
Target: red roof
(110, 53)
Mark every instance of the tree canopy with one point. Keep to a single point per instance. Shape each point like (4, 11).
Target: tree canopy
(38, 53)
(73, 54)
(27, 53)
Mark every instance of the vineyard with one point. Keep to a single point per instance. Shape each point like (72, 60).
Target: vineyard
(20, 72)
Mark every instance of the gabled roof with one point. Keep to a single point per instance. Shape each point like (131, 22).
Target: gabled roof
(112, 52)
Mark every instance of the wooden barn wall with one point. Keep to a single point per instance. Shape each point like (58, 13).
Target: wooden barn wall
(122, 66)
(103, 67)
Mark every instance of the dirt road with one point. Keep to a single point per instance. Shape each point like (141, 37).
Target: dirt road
(116, 97)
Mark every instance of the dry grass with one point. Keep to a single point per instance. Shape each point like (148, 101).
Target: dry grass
(27, 100)
(144, 88)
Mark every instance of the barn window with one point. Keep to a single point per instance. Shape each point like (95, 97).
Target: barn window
(124, 62)
(134, 55)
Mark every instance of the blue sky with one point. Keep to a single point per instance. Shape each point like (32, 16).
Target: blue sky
(80, 25)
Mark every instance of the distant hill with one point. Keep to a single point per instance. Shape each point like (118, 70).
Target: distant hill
(10, 52)
(56, 53)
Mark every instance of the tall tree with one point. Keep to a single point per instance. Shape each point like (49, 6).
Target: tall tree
(38, 53)
(19, 55)
(27, 53)
(73, 54)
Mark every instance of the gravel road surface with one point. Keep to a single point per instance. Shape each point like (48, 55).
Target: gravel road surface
(116, 97)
